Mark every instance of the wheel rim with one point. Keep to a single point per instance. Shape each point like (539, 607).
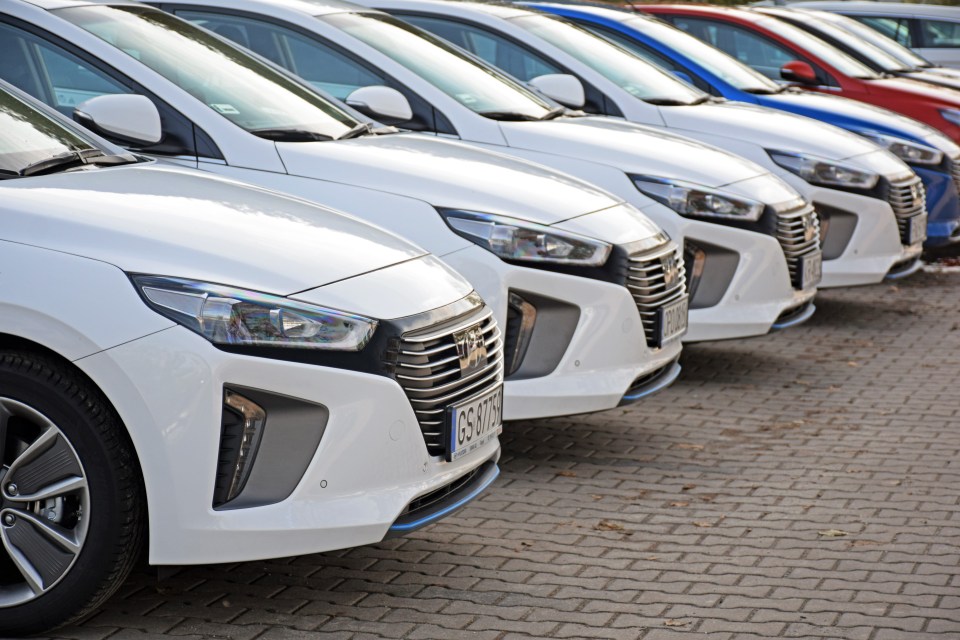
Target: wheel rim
(44, 504)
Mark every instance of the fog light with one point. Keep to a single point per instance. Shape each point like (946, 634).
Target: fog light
(521, 317)
(241, 429)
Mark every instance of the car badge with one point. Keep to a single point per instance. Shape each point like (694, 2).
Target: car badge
(471, 349)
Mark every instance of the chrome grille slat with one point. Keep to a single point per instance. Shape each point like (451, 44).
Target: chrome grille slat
(427, 367)
(645, 278)
(905, 204)
(790, 233)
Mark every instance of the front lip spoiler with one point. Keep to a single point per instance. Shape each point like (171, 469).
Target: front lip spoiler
(661, 380)
(896, 274)
(489, 471)
(804, 313)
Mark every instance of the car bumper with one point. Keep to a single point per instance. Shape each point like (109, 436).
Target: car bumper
(593, 347)
(943, 206)
(371, 461)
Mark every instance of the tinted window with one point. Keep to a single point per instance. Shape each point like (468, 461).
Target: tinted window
(753, 50)
(939, 34)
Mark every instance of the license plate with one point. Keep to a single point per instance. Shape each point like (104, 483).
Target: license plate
(473, 423)
(811, 270)
(673, 320)
(917, 229)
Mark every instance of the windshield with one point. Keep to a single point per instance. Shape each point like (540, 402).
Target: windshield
(27, 136)
(469, 81)
(717, 62)
(239, 87)
(629, 72)
(818, 48)
(891, 47)
(863, 49)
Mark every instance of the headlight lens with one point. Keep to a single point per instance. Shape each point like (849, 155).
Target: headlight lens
(695, 200)
(236, 317)
(824, 172)
(905, 150)
(521, 241)
(951, 115)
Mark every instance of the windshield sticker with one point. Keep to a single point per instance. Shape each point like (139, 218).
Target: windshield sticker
(225, 109)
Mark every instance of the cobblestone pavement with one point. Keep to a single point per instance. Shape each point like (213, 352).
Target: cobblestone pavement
(802, 485)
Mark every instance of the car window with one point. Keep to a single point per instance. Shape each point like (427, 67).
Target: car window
(939, 34)
(48, 73)
(895, 28)
(321, 66)
(753, 50)
(509, 56)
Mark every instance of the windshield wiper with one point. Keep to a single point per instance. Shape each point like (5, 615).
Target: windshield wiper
(64, 161)
(508, 116)
(291, 135)
(556, 112)
(672, 102)
(361, 129)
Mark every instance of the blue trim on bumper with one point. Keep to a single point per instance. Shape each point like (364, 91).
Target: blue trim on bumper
(659, 384)
(437, 515)
(794, 321)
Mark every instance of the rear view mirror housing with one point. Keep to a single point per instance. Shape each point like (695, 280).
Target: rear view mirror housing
(381, 103)
(126, 118)
(564, 88)
(799, 71)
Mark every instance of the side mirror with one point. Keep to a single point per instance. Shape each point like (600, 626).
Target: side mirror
(562, 87)
(129, 119)
(381, 103)
(683, 75)
(799, 71)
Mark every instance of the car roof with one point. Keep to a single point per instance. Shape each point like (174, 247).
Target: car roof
(888, 8)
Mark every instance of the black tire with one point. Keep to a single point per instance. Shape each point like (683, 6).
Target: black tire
(115, 522)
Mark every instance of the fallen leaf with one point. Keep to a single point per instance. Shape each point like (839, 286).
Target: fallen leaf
(608, 525)
(688, 487)
(692, 447)
(679, 504)
(853, 364)
(652, 558)
(833, 533)
(567, 474)
(702, 525)
(670, 622)
(863, 543)
(597, 497)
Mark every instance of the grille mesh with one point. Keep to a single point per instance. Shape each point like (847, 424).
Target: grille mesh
(792, 233)
(907, 199)
(647, 281)
(428, 368)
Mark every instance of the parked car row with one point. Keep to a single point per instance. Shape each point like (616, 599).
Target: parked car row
(278, 270)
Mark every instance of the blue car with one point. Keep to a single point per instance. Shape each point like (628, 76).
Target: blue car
(717, 73)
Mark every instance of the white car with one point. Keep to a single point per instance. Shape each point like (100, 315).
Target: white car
(867, 231)
(224, 372)
(735, 218)
(590, 294)
(933, 31)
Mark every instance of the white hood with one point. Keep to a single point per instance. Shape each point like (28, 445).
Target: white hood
(176, 222)
(447, 174)
(768, 128)
(632, 148)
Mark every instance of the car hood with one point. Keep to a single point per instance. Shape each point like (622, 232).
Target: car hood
(768, 128)
(860, 116)
(632, 148)
(447, 174)
(177, 222)
(934, 78)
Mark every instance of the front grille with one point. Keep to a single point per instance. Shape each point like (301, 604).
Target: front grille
(798, 231)
(427, 365)
(655, 278)
(955, 172)
(907, 198)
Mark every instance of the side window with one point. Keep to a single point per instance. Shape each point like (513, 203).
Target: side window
(939, 34)
(895, 28)
(649, 55)
(48, 73)
(323, 66)
(62, 79)
(516, 60)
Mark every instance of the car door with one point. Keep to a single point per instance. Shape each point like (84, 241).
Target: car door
(939, 40)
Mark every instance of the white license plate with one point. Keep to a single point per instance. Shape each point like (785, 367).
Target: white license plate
(673, 320)
(917, 232)
(474, 422)
(811, 270)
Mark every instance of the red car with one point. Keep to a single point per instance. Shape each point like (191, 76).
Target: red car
(782, 51)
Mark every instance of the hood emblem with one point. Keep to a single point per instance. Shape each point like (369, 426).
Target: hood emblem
(471, 350)
(671, 269)
(809, 229)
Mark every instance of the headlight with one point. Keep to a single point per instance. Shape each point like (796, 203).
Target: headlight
(227, 316)
(905, 150)
(694, 200)
(512, 239)
(824, 172)
(951, 115)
